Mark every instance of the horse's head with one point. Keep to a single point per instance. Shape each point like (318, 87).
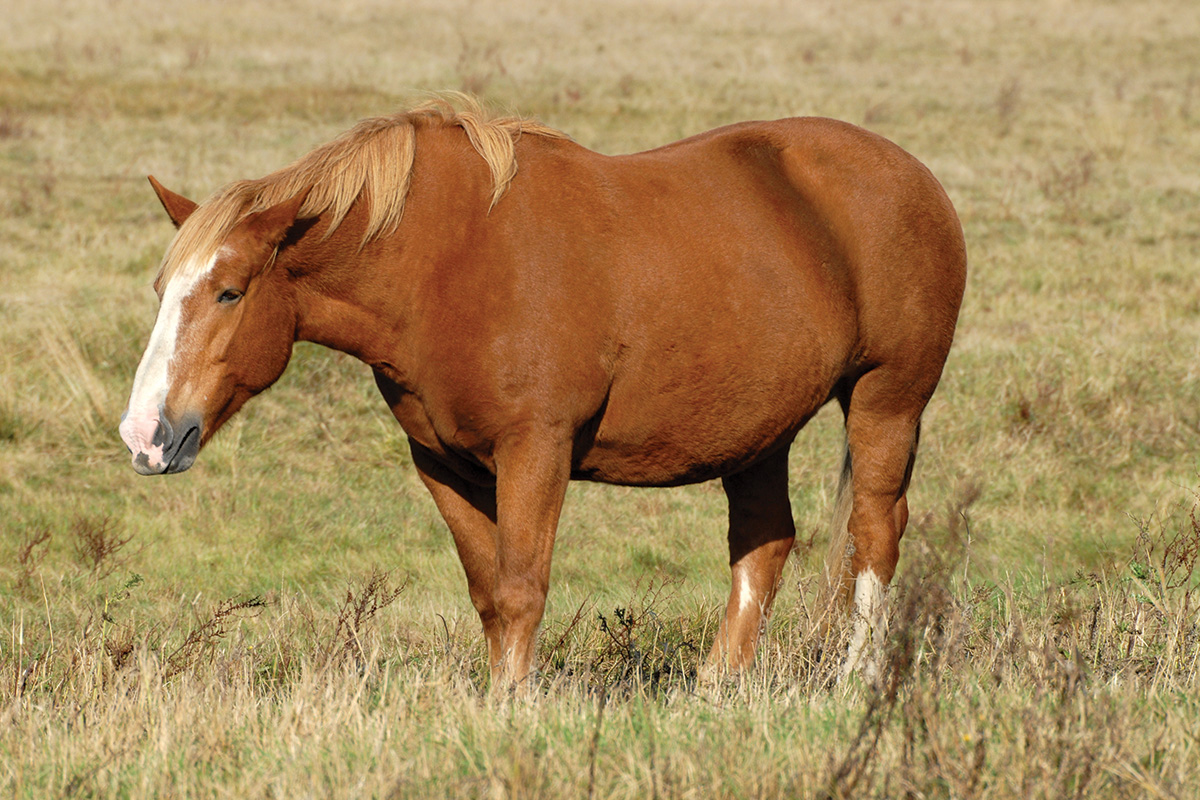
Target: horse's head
(224, 332)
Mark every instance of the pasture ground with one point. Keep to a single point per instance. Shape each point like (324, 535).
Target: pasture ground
(289, 619)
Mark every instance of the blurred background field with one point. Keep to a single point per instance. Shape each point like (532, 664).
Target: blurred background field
(1053, 501)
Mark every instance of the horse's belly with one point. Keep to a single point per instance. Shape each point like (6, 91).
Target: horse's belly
(674, 457)
(675, 438)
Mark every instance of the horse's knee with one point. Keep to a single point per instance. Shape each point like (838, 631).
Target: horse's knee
(485, 606)
(776, 552)
(515, 600)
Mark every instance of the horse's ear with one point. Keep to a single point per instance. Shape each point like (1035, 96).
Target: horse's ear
(271, 225)
(178, 207)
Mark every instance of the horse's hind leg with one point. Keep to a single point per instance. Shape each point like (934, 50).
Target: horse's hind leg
(761, 532)
(882, 424)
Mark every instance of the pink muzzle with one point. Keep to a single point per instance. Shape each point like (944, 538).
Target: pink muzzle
(156, 446)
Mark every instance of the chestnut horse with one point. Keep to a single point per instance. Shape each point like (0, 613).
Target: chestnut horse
(535, 312)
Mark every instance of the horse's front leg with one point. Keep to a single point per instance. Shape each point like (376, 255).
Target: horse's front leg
(531, 480)
(470, 513)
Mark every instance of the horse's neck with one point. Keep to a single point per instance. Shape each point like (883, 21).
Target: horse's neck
(340, 293)
(358, 299)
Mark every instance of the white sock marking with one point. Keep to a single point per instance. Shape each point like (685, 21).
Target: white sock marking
(745, 593)
(870, 620)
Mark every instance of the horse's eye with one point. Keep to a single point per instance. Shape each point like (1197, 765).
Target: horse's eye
(229, 296)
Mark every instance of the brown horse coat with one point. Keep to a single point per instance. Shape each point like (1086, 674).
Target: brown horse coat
(653, 319)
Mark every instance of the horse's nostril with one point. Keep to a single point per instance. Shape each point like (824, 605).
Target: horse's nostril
(164, 435)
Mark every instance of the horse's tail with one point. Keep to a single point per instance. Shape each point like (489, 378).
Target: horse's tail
(837, 560)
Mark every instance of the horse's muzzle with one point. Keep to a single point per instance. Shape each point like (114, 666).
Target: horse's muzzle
(172, 448)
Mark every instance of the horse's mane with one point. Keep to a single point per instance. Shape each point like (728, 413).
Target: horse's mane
(373, 160)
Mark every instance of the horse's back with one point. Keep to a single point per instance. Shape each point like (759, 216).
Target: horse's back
(864, 195)
(843, 214)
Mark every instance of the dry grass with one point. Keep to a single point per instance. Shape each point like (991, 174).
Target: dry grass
(241, 630)
(1083, 688)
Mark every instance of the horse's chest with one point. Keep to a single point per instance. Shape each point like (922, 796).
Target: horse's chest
(408, 410)
(462, 449)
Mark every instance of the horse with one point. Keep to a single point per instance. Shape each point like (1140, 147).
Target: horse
(535, 312)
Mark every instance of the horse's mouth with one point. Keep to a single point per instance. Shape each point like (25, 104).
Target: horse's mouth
(185, 454)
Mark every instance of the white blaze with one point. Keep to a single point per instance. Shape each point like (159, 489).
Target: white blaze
(153, 377)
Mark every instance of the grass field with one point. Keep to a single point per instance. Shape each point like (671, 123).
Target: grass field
(289, 619)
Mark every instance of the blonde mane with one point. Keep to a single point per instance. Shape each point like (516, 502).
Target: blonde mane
(372, 160)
